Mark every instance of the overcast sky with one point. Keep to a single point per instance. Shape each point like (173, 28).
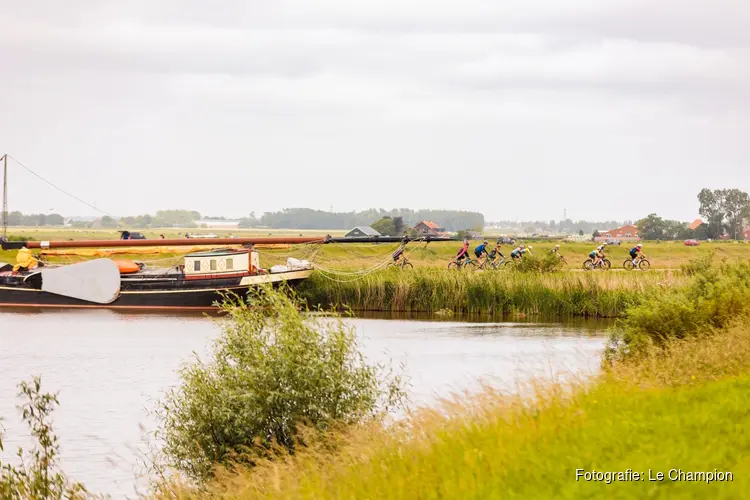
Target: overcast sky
(517, 109)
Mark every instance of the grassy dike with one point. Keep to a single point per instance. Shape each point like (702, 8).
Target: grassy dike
(666, 418)
(554, 295)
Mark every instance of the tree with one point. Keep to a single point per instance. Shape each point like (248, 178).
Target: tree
(272, 370)
(55, 220)
(108, 221)
(14, 218)
(735, 205)
(385, 226)
(398, 226)
(652, 227)
(580, 232)
(249, 221)
(724, 209)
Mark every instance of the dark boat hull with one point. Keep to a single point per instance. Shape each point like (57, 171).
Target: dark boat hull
(184, 295)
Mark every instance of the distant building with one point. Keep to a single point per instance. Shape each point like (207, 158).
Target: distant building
(695, 224)
(746, 235)
(429, 228)
(218, 223)
(625, 233)
(361, 231)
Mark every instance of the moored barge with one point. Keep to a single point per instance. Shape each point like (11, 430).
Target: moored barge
(198, 283)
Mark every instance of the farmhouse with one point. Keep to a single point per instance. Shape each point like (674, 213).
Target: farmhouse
(361, 231)
(429, 228)
(625, 233)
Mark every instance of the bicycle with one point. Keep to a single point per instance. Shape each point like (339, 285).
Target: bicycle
(402, 263)
(641, 263)
(603, 264)
(463, 262)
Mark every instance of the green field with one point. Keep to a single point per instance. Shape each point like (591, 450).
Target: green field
(663, 255)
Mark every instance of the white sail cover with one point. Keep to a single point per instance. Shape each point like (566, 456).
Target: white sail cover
(93, 281)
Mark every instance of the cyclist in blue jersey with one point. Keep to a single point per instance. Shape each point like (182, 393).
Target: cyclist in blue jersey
(635, 251)
(481, 249)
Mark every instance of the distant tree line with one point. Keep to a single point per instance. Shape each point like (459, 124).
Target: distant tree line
(567, 226)
(306, 218)
(20, 219)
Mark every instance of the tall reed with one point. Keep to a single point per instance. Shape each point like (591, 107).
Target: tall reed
(495, 293)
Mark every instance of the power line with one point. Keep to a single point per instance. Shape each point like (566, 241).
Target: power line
(60, 189)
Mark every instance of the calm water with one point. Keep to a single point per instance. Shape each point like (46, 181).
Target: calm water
(109, 366)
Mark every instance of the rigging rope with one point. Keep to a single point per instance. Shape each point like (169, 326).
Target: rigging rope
(59, 188)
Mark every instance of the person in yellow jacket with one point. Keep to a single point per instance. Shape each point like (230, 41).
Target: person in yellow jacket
(25, 261)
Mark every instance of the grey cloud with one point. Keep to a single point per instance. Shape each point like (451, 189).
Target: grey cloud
(536, 93)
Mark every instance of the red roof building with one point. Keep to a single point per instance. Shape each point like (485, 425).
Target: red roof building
(624, 233)
(746, 234)
(695, 224)
(429, 227)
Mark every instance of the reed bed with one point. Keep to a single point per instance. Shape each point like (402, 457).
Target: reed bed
(564, 294)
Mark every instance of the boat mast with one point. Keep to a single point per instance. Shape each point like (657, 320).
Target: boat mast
(5, 196)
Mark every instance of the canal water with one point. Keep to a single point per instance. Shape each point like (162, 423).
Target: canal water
(108, 368)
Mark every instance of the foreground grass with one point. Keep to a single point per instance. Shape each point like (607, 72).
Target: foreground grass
(491, 292)
(683, 408)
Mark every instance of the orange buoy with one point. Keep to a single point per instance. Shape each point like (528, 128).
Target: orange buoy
(127, 266)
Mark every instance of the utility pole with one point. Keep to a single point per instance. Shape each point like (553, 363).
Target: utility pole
(5, 196)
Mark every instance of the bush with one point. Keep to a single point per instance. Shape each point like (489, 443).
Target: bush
(274, 375)
(715, 296)
(36, 476)
(545, 263)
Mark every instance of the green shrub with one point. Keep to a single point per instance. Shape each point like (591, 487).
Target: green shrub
(715, 296)
(274, 375)
(37, 476)
(546, 263)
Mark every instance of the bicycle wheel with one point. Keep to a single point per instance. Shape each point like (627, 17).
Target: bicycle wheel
(628, 264)
(605, 264)
(472, 264)
(644, 265)
(452, 265)
(588, 265)
(407, 265)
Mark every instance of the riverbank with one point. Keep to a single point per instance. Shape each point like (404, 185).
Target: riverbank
(493, 293)
(683, 413)
(666, 417)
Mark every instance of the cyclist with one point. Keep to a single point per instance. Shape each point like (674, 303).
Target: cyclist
(598, 254)
(398, 254)
(481, 250)
(556, 250)
(517, 252)
(496, 251)
(635, 251)
(526, 250)
(463, 253)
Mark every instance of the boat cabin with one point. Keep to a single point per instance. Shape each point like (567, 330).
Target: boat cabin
(221, 262)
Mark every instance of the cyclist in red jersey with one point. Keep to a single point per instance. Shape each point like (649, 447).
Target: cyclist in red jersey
(463, 253)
